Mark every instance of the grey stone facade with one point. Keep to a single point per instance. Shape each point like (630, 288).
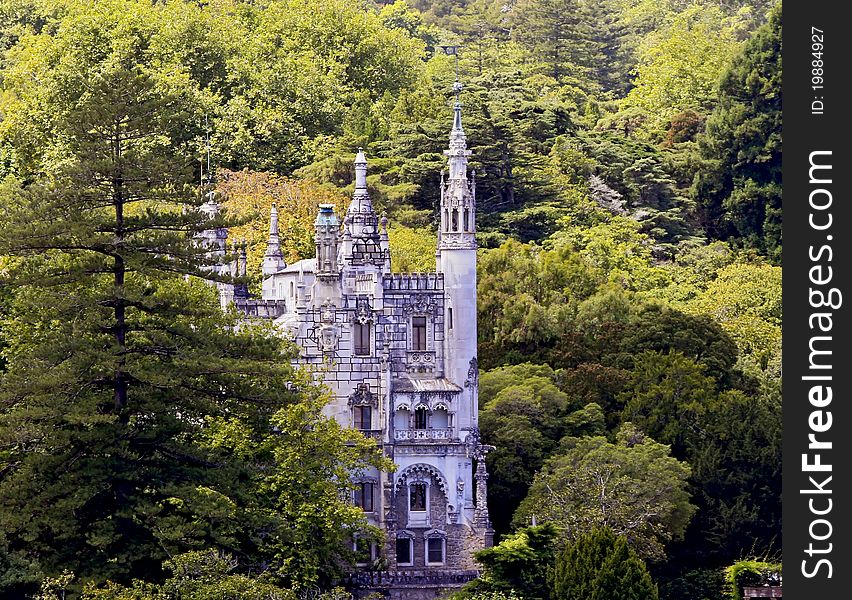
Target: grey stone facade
(398, 352)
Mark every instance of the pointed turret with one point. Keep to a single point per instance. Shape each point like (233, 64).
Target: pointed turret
(457, 261)
(362, 245)
(273, 259)
(458, 200)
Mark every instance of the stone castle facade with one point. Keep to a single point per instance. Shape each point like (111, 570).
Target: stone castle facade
(399, 353)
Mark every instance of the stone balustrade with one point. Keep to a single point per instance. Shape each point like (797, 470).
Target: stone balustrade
(424, 435)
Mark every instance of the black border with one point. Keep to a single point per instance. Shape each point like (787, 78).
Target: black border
(805, 132)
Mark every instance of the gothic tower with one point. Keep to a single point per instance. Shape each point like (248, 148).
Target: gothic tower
(457, 261)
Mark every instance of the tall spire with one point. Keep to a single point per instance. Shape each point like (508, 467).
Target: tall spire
(458, 203)
(273, 259)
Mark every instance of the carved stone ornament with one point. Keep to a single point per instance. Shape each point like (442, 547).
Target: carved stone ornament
(458, 241)
(362, 396)
(474, 446)
(329, 333)
(363, 311)
(328, 337)
(424, 306)
(421, 472)
(472, 373)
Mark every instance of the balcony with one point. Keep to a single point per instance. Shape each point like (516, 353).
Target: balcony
(423, 435)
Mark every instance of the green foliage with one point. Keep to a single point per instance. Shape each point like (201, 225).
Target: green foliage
(601, 566)
(739, 188)
(750, 573)
(633, 486)
(412, 250)
(681, 65)
(200, 575)
(666, 396)
(694, 584)
(517, 565)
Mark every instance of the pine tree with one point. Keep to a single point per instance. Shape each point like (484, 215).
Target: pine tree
(601, 566)
(623, 576)
(739, 191)
(137, 420)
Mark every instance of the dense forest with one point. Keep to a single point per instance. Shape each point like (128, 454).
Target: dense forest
(628, 172)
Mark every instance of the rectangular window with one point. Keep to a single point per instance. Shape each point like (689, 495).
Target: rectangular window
(403, 551)
(363, 417)
(418, 497)
(364, 496)
(362, 339)
(420, 418)
(418, 333)
(435, 550)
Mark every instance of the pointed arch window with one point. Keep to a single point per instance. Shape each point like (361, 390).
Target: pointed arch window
(455, 223)
(466, 221)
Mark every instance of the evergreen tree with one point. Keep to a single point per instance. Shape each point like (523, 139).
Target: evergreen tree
(601, 566)
(739, 188)
(137, 420)
(623, 576)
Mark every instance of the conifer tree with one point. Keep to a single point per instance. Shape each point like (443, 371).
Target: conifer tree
(137, 420)
(739, 190)
(601, 566)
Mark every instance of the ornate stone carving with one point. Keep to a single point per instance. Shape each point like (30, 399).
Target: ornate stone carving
(421, 472)
(420, 305)
(472, 374)
(474, 446)
(329, 333)
(363, 310)
(362, 396)
(458, 241)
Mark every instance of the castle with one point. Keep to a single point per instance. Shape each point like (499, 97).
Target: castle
(399, 353)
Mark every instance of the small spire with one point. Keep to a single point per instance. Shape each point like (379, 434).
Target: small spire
(360, 171)
(273, 222)
(457, 123)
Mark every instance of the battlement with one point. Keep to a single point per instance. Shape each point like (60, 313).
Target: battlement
(265, 309)
(413, 281)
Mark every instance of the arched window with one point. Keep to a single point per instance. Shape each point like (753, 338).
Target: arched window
(466, 220)
(402, 419)
(455, 223)
(439, 418)
(291, 289)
